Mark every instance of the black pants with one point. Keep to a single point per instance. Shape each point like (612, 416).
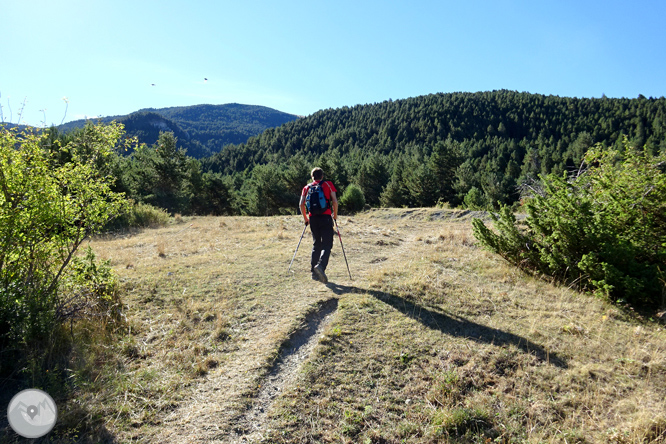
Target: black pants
(322, 237)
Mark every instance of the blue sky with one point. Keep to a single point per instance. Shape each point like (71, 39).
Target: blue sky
(302, 56)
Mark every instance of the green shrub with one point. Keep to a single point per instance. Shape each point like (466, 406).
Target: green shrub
(604, 229)
(475, 199)
(464, 422)
(139, 215)
(352, 200)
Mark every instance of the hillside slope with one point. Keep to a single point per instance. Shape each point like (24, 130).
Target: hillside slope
(486, 143)
(536, 120)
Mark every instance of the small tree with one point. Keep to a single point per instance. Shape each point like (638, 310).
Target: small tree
(352, 199)
(475, 199)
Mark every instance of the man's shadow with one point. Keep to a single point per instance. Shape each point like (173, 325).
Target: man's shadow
(455, 325)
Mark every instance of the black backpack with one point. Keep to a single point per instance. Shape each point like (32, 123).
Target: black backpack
(315, 201)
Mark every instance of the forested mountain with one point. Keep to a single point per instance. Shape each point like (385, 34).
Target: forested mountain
(465, 149)
(458, 147)
(215, 126)
(201, 129)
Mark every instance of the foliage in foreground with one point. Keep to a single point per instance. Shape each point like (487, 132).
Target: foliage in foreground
(604, 229)
(51, 199)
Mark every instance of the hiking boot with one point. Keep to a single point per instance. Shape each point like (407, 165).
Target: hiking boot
(320, 274)
(314, 276)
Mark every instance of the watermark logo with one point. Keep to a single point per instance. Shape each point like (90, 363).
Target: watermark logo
(32, 413)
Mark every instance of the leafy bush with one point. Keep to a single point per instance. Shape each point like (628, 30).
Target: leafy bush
(139, 215)
(90, 291)
(603, 229)
(48, 207)
(352, 199)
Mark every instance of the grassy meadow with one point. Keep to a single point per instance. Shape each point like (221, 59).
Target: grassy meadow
(433, 340)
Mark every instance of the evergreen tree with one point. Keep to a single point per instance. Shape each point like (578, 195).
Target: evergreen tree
(395, 193)
(602, 230)
(217, 196)
(295, 173)
(334, 169)
(372, 178)
(266, 193)
(465, 180)
(352, 200)
(170, 165)
(443, 162)
(423, 186)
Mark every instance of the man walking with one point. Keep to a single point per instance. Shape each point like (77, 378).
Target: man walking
(322, 207)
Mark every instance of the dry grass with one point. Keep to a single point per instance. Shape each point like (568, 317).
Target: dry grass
(434, 340)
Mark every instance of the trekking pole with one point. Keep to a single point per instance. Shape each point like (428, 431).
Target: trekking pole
(299, 244)
(343, 248)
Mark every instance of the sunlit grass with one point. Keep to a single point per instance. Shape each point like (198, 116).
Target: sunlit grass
(434, 340)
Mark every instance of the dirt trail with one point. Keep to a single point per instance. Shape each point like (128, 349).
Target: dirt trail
(296, 350)
(212, 415)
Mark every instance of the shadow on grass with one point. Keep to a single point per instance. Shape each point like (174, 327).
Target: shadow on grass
(453, 325)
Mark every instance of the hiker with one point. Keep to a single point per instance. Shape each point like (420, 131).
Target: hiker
(322, 208)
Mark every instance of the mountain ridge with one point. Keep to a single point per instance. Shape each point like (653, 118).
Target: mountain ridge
(201, 129)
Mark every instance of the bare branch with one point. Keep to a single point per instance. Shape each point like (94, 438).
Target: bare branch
(531, 188)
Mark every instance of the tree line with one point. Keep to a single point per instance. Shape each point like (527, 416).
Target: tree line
(465, 149)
